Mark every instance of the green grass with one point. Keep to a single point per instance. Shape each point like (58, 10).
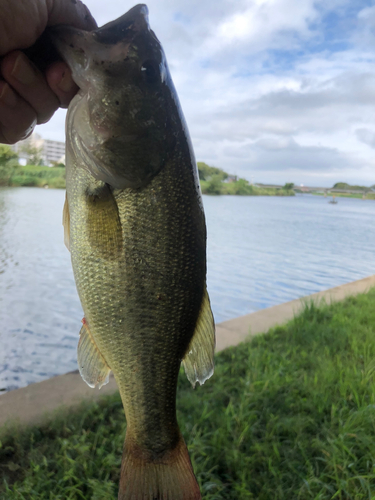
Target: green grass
(32, 175)
(241, 188)
(368, 196)
(54, 177)
(290, 415)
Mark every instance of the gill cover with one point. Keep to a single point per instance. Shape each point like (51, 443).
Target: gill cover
(122, 123)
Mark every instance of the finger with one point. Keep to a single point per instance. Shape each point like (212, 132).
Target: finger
(30, 84)
(17, 118)
(73, 12)
(59, 78)
(22, 23)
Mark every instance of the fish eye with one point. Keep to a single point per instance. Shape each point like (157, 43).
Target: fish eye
(150, 71)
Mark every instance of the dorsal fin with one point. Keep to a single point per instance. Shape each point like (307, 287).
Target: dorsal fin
(199, 358)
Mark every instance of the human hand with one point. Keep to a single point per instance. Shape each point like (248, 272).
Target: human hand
(27, 95)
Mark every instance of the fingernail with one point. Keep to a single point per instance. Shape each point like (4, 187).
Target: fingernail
(28, 131)
(23, 71)
(8, 97)
(66, 83)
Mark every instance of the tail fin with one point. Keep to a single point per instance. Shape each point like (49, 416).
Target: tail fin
(168, 478)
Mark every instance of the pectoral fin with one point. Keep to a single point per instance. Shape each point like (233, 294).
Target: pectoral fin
(104, 230)
(66, 223)
(92, 365)
(199, 358)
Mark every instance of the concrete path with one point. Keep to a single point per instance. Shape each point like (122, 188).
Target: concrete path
(34, 403)
(234, 331)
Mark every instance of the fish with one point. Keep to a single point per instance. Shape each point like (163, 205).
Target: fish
(135, 227)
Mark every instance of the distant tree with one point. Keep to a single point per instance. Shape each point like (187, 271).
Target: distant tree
(57, 164)
(243, 187)
(341, 185)
(7, 154)
(288, 186)
(33, 153)
(8, 164)
(345, 185)
(214, 185)
(206, 172)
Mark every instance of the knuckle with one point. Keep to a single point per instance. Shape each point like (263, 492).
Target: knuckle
(6, 64)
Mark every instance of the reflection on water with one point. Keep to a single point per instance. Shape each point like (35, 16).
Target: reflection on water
(266, 251)
(39, 309)
(262, 251)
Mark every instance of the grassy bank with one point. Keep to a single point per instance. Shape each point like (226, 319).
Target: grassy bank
(242, 188)
(369, 196)
(290, 415)
(54, 177)
(215, 181)
(32, 175)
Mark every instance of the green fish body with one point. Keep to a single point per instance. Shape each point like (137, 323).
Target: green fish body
(135, 227)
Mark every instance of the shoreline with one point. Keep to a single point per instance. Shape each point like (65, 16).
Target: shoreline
(46, 186)
(280, 195)
(363, 197)
(41, 401)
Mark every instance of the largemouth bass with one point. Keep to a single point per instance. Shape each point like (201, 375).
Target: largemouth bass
(135, 227)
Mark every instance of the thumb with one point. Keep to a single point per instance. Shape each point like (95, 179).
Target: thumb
(22, 22)
(72, 12)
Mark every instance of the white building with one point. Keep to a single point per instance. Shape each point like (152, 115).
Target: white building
(51, 151)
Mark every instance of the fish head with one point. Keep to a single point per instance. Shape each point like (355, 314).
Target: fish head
(122, 122)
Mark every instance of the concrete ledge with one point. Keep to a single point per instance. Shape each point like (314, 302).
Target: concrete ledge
(236, 330)
(33, 404)
(36, 402)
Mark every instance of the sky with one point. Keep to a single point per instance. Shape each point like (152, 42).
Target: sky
(273, 91)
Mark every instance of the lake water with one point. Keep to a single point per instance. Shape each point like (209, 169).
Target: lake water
(262, 251)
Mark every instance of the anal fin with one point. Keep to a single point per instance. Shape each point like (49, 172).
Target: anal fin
(199, 358)
(91, 363)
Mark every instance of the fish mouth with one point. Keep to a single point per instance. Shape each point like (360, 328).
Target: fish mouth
(78, 47)
(74, 46)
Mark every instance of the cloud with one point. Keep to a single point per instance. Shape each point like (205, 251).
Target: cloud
(270, 86)
(287, 154)
(276, 143)
(366, 23)
(323, 110)
(366, 136)
(258, 27)
(275, 161)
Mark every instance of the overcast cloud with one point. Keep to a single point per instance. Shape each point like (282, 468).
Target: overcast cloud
(273, 90)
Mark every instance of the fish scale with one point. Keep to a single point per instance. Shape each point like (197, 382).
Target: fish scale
(135, 226)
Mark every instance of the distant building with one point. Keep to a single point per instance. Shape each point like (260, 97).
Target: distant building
(231, 178)
(54, 151)
(51, 151)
